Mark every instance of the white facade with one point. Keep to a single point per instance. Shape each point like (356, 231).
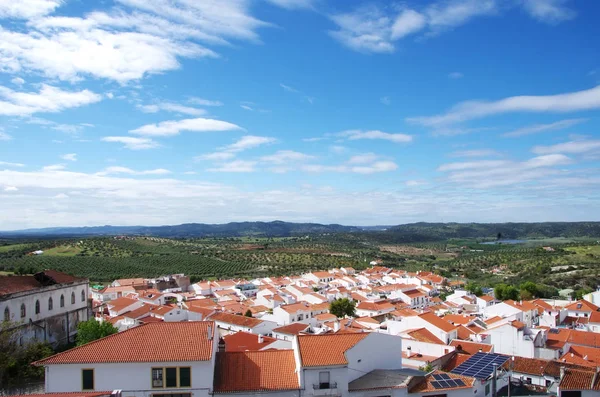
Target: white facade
(49, 313)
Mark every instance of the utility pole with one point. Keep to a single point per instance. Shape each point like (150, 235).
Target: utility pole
(494, 391)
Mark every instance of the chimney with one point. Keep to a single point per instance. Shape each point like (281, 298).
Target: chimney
(221, 346)
(562, 372)
(209, 332)
(261, 339)
(336, 326)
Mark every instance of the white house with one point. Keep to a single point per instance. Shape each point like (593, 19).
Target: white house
(231, 323)
(439, 327)
(46, 306)
(287, 314)
(370, 309)
(152, 359)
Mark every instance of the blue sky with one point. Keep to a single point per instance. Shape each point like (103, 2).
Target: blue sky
(169, 111)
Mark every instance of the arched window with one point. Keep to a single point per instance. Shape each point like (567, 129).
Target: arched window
(62, 301)
(6, 314)
(72, 298)
(37, 307)
(83, 295)
(50, 303)
(23, 311)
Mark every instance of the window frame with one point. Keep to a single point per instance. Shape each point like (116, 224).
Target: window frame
(83, 295)
(163, 371)
(93, 379)
(23, 310)
(166, 369)
(62, 300)
(162, 375)
(72, 297)
(50, 304)
(6, 314)
(179, 377)
(38, 308)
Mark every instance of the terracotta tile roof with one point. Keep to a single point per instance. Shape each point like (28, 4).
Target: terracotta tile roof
(375, 306)
(324, 350)
(524, 305)
(492, 320)
(579, 380)
(154, 342)
(131, 281)
(140, 312)
(235, 319)
(368, 320)
(59, 277)
(464, 333)
(296, 307)
(471, 347)
(425, 385)
(553, 368)
(291, 329)
(150, 319)
(204, 311)
(582, 305)
(518, 324)
(244, 341)
(583, 338)
(120, 303)
(582, 355)
(404, 313)
(456, 360)
(255, 371)
(322, 274)
(458, 319)
(595, 317)
(423, 335)
(437, 322)
(325, 317)
(16, 284)
(487, 298)
(414, 293)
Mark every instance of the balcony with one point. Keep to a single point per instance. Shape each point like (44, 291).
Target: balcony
(325, 389)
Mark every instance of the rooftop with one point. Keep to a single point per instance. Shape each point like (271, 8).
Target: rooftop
(152, 342)
(15, 284)
(244, 341)
(291, 329)
(235, 319)
(325, 350)
(384, 379)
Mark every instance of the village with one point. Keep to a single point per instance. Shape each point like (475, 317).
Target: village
(278, 336)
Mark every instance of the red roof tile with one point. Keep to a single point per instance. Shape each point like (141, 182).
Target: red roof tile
(291, 329)
(423, 335)
(425, 385)
(323, 350)
(235, 319)
(582, 305)
(437, 322)
(244, 341)
(471, 347)
(256, 371)
(579, 380)
(153, 342)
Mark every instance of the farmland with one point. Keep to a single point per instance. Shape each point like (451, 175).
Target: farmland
(570, 263)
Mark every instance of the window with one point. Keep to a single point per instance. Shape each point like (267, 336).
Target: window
(171, 378)
(185, 377)
(324, 380)
(37, 307)
(157, 377)
(23, 310)
(87, 379)
(50, 304)
(6, 314)
(62, 301)
(487, 389)
(83, 295)
(72, 298)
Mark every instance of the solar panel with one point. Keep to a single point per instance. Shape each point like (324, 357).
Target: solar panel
(436, 385)
(441, 377)
(446, 384)
(459, 383)
(480, 365)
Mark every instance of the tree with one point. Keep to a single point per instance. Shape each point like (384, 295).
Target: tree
(529, 290)
(505, 292)
(474, 288)
(342, 307)
(427, 368)
(88, 331)
(248, 313)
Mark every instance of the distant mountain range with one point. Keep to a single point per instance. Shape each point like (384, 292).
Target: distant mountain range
(402, 233)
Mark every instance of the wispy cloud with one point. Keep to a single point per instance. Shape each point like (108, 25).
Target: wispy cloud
(9, 164)
(363, 158)
(54, 167)
(28, 9)
(376, 167)
(171, 128)
(571, 147)
(475, 153)
(288, 88)
(4, 136)
(235, 166)
(286, 156)
(549, 11)
(560, 103)
(216, 156)
(375, 134)
(292, 4)
(124, 170)
(248, 142)
(386, 100)
(456, 75)
(133, 143)
(307, 98)
(204, 102)
(172, 107)
(537, 128)
(49, 99)
(69, 157)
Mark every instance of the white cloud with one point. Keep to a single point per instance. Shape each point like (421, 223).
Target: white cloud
(315, 139)
(204, 102)
(27, 9)
(408, 22)
(4, 136)
(292, 4)
(8, 164)
(286, 156)
(235, 166)
(371, 29)
(456, 75)
(288, 88)
(247, 107)
(375, 134)
(316, 168)
(549, 11)
(537, 128)
(475, 153)
(548, 160)
(378, 166)
(560, 103)
(414, 183)
(11, 189)
(248, 142)
(172, 107)
(54, 167)
(572, 147)
(48, 100)
(61, 196)
(472, 164)
(386, 100)
(363, 158)
(216, 156)
(124, 170)
(69, 157)
(170, 128)
(17, 81)
(133, 143)
(338, 149)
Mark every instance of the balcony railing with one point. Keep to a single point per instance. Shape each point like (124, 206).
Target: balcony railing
(325, 386)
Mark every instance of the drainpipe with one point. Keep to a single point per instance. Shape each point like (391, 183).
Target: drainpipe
(494, 391)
